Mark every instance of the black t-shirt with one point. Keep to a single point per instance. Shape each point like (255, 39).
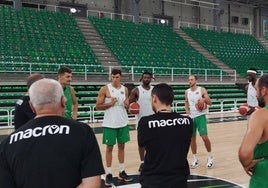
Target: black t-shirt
(49, 152)
(23, 112)
(166, 138)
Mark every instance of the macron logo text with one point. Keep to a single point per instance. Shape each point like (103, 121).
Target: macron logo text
(39, 131)
(168, 122)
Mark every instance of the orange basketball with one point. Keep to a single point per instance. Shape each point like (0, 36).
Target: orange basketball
(243, 109)
(134, 108)
(200, 105)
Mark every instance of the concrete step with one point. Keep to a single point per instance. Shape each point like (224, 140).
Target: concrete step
(103, 54)
(100, 50)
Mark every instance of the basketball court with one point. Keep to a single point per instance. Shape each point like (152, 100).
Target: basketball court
(225, 131)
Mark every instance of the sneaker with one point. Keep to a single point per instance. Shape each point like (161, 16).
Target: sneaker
(210, 163)
(141, 167)
(109, 180)
(124, 177)
(194, 164)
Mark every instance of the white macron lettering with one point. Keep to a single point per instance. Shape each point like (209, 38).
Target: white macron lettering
(168, 122)
(39, 131)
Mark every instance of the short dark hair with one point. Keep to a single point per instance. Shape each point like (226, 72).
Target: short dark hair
(33, 78)
(195, 77)
(116, 71)
(164, 92)
(263, 81)
(148, 73)
(63, 70)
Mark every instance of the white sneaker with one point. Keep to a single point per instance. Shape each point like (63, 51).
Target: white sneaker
(194, 164)
(210, 162)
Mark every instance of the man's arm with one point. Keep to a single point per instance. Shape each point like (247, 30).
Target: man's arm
(186, 103)
(251, 138)
(134, 95)
(100, 103)
(75, 104)
(141, 132)
(205, 96)
(126, 102)
(6, 176)
(91, 182)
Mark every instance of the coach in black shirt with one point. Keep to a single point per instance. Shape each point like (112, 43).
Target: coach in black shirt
(166, 136)
(50, 151)
(23, 112)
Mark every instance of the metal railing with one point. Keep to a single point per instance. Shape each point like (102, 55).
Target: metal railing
(170, 73)
(96, 116)
(212, 27)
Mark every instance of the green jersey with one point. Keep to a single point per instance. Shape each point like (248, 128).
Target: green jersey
(260, 170)
(69, 102)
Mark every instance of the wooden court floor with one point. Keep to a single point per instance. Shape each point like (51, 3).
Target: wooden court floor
(225, 132)
(225, 138)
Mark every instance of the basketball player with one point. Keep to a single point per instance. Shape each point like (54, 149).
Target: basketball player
(142, 95)
(253, 151)
(23, 111)
(113, 98)
(50, 150)
(192, 95)
(65, 78)
(251, 91)
(166, 135)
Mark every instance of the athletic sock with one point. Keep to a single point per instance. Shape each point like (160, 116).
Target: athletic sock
(109, 170)
(209, 155)
(195, 157)
(121, 167)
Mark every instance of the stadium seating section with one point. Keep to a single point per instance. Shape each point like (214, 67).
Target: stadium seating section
(224, 97)
(42, 37)
(238, 51)
(48, 39)
(150, 45)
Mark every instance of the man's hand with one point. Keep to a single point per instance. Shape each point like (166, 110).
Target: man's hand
(250, 166)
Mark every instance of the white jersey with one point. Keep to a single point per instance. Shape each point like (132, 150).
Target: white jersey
(116, 116)
(251, 96)
(193, 97)
(145, 102)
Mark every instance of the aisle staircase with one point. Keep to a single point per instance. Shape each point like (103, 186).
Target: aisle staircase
(96, 43)
(209, 56)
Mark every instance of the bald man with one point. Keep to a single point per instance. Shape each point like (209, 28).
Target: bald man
(50, 150)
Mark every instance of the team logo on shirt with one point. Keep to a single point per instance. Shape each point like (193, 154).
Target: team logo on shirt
(19, 102)
(168, 122)
(39, 131)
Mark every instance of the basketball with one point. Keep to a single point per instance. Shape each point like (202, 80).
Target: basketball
(200, 105)
(134, 108)
(243, 109)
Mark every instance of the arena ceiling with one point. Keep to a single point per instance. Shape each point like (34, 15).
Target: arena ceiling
(214, 3)
(254, 3)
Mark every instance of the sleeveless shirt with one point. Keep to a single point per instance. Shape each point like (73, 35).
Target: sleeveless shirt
(193, 97)
(116, 116)
(145, 102)
(260, 170)
(69, 102)
(251, 96)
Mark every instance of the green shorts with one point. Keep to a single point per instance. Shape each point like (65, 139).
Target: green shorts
(110, 135)
(200, 124)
